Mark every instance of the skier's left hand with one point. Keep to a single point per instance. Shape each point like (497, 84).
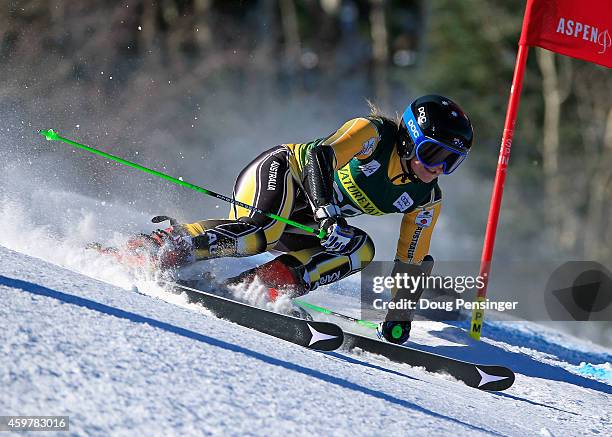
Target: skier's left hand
(394, 332)
(396, 327)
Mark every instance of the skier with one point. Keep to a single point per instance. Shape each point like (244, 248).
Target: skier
(371, 165)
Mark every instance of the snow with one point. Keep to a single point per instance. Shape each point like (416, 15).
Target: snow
(120, 362)
(602, 372)
(77, 340)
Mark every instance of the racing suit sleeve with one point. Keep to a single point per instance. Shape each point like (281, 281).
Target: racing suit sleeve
(415, 233)
(356, 138)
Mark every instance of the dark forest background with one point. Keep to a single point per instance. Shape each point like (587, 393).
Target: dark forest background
(197, 88)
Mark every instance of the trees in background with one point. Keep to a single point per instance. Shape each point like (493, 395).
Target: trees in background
(561, 168)
(109, 60)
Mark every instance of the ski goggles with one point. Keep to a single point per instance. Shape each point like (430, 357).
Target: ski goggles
(430, 151)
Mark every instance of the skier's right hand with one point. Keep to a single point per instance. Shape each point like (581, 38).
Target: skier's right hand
(338, 233)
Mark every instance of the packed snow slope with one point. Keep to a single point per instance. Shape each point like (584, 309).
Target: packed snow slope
(121, 362)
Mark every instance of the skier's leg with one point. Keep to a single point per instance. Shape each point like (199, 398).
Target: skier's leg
(324, 267)
(224, 237)
(265, 183)
(299, 271)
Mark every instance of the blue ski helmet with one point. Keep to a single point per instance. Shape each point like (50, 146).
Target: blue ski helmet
(436, 131)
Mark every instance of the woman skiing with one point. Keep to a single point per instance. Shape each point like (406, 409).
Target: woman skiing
(371, 165)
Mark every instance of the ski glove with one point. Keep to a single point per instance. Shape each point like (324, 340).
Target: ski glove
(339, 233)
(394, 332)
(397, 324)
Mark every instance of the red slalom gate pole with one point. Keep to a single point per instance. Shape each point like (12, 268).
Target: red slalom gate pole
(498, 187)
(543, 26)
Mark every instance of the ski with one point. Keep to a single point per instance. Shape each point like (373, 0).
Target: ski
(325, 336)
(322, 336)
(483, 377)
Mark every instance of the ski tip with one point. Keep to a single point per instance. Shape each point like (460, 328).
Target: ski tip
(324, 336)
(494, 378)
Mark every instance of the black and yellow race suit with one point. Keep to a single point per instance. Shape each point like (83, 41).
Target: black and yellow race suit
(368, 179)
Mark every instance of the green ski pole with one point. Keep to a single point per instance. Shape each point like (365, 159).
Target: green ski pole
(51, 135)
(319, 309)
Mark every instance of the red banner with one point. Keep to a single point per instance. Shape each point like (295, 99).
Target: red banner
(577, 28)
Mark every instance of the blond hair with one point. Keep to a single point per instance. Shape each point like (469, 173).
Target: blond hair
(376, 112)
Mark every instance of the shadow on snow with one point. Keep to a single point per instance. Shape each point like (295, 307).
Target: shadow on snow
(137, 318)
(485, 353)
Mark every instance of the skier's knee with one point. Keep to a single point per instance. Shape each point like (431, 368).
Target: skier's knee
(350, 263)
(365, 251)
(251, 237)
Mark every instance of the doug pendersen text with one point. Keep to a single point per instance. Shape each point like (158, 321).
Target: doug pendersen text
(457, 304)
(412, 283)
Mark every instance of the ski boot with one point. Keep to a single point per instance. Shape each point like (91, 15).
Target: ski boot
(163, 249)
(284, 275)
